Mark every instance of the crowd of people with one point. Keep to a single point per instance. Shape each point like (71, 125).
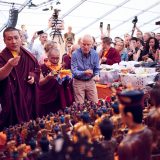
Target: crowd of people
(36, 80)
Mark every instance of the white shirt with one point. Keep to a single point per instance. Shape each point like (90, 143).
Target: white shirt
(38, 51)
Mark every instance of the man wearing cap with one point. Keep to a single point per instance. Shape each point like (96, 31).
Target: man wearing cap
(136, 145)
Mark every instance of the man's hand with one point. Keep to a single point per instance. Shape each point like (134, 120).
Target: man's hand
(96, 78)
(35, 36)
(141, 47)
(50, 23)
(51, 76)
(145, 57)
(14, 61)
(88, 72)
(30, 79)
(130, 53)
(104, 59)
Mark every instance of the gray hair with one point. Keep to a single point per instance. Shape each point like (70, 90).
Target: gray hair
(87, 37)
(53, 50)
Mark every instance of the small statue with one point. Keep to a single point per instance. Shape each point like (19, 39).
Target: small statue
(3, 140)
(44, 144)
(34, 153)
(11, 146)
(96, 131)
(153, 118)
(21, 149)
(86, 129)
(108, 143)
(116, 118)
(138, 135)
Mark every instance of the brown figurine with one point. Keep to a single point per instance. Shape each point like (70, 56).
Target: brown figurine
(3, 139)
(86, 129)
(21, 151)
(153, 119)
(96, 131)
(108, 143)
(116, 119)
(11, 146)
(137, 143)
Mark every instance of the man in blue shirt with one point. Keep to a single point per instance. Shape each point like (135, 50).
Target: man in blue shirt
(85, 70)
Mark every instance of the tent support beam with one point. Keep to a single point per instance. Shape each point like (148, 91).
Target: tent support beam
(73, 8)
(104, 15)
(19, 10)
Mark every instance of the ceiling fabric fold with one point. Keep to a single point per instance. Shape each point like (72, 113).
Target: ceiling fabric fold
(85, 15)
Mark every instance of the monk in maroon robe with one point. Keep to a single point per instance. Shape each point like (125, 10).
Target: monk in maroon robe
(66, 58)
(109, 55)
(55, 93)
(19, 77)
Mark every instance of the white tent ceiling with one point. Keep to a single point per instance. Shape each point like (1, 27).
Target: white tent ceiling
(85, 15)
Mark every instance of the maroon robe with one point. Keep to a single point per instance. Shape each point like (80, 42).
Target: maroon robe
(112, 57)
(66, 61)
(19, 99)
(54, 96)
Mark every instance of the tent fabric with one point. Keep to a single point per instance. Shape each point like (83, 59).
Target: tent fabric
(85, 15)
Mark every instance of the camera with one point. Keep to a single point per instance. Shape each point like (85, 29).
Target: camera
(101, 24)
(57, 25)
(56, 13)
(157, 23)
(108, 27)
(40, 32)
(135, 20)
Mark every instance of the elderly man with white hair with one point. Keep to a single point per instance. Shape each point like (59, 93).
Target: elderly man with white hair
(85, 70)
